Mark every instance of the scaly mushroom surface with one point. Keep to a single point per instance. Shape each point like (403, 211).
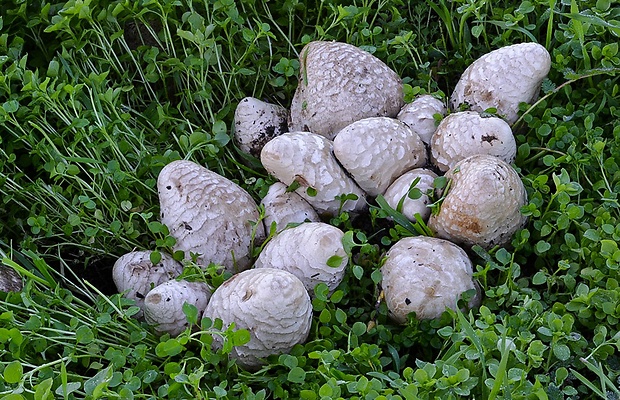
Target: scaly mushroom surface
(419, 115)
(257, 122)
(284, 207)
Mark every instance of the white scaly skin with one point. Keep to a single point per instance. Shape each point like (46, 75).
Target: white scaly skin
(10, 281)
(284, 207)
(419, 115)
(399, 189)
(257, 122)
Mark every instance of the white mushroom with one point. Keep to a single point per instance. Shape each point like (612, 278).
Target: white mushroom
(257, 122)
(375, 151)
(135, 275)
(306, 159)
(208, 215)
(10, 281)
(419, 115)
(340, 84)
(399, 191)
(425, 275)
(286, 207)
(271, 304)
(463, 134)
(502, 79)
(163, 306)
(313, 252)
(483, 204)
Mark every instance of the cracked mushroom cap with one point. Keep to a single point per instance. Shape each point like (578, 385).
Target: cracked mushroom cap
(483, 204)
(399, 190)
(272, 304)
(425, 275)
(257, 122)
(284, 207)
(375, 151)
(307, 159)
(163, 305)
(419, 115)
(340, 84)
(10, 281)
(208, 214)
(135, 274)
(305, 251)
(502, 79)
(466, 133)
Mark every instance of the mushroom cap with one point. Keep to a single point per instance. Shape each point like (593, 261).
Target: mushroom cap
(340, 84)
(10, 281)
(425, 275)
(483, 204)
(304, 251)
(257, 122)
(377, 150)
(163, 305)
(272, 304)
(208, 214)
(399, 189)
(135, 274)
(283, 208)
(307, 158)
(502, 79)
(463, 134)
(419, 115)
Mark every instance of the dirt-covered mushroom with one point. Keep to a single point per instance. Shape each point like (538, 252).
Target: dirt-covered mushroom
(377, 150)
(483, 203)
(272, 304)
(419, 115)
(286, 207)
(256, 123)
(425, 275)
(208, 215)
(163, 305)
(340, 84)
(10, 281)
(312, 251)
(399, 191)
(502, 79)
(463, 134)
(306, 160)
(135, 275)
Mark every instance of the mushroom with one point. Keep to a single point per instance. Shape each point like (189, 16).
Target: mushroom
(320, 258)
(208, 215)
(271, 304)
(305, 159)
(502, 79)
(10, 281)
(163, 305)
(425, 275)
(466, 133)
(257, 122)
(399, 191)
(284, 207)
(375, 151)
(419, 115)
(135, 275)
(483, 204)
(340, 84)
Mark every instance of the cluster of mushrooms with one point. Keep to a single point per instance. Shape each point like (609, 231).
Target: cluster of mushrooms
(348, 137)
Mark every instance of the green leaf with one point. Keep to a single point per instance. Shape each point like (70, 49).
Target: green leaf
(335, 261)
(13, 372)
(296, 375)
(43, 390)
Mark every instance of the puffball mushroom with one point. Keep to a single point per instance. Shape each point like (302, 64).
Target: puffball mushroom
(10, 281)
(285, 207)
(483, 204)
(272, 304)
(399, 190)
(502, 79)
(463, 134)
(305, 251)
(419, 115)
(375, 151)
(257, 122)
(163, 305)
(340, 84)
(135, 275)
(307, 159)
(208, 215)
(425, 275)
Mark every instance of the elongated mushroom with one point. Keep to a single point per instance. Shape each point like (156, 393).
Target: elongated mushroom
(256, 123)
(284, 207)
(398, 192)
(419, 115)
(10, 281)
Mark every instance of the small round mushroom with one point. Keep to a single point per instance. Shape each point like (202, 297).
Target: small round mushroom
(305, 251)
(375, 151)
(208, 215)
(163, 306)
(340, 84)
(257, 122)
(135, 275)
(286, 207)
(272, 304)
(502, 79)
(419, 115)
(10, 281)
(483, 204)
(466, 133)
(399, 191)
(425, 275)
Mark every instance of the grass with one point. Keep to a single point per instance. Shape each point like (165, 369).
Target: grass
(96, 96)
